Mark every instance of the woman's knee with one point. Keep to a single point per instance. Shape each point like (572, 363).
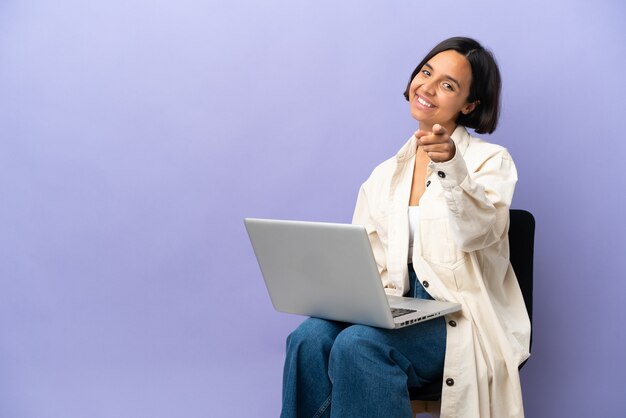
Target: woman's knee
(314, 333)
(361, 332)
(358, 340)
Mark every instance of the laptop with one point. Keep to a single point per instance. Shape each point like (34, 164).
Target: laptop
(328, 270)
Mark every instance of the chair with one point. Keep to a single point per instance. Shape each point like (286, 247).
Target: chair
(521, 243)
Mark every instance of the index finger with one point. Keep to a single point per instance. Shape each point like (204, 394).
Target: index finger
(438, 129)
(430, 138)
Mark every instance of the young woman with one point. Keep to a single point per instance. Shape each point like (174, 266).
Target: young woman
(437, 215)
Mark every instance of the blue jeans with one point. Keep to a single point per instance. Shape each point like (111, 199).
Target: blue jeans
(335, 369)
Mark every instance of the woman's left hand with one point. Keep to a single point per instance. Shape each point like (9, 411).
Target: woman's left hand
(437, 144)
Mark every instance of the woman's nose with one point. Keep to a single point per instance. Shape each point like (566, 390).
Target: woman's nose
(429, 86)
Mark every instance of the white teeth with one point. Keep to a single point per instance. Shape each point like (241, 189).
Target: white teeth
(424, 102)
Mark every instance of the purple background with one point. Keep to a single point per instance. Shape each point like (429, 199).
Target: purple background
(136, 135)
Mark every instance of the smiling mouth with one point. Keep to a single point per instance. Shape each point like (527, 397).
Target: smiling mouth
(425, 103)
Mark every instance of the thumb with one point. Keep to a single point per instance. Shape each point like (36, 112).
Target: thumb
(419, 133)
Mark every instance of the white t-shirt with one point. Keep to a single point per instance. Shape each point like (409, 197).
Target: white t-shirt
(414, 212)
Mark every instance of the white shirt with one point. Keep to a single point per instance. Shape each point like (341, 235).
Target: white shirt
(414, 214)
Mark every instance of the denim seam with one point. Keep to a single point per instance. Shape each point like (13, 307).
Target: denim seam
(323, 407)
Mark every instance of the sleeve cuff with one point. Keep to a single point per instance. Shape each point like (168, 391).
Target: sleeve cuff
(450, 173)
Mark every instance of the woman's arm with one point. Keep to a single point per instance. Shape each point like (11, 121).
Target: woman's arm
(478, 202)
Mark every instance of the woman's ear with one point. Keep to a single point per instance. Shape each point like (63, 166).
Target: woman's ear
(469, 108)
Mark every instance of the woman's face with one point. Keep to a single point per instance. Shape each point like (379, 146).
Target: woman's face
(440, 90)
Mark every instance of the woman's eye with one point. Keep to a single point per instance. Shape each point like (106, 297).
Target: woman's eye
(448, 86)
(426, 73)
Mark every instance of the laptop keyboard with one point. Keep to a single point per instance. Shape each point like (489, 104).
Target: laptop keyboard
(396, 312)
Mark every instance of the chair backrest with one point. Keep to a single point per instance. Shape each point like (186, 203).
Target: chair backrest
(522, 245)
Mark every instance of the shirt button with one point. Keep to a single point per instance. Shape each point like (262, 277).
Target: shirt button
(425, 283)
(428, 183)
(452, 323)
(450, 382)
(441, 174)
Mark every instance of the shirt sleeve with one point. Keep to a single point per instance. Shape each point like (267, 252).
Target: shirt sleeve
(478, 202)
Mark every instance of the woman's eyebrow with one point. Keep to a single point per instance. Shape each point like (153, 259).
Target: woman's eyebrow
(446, 76)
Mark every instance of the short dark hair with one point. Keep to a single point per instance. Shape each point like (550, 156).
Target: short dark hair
(486, 82)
